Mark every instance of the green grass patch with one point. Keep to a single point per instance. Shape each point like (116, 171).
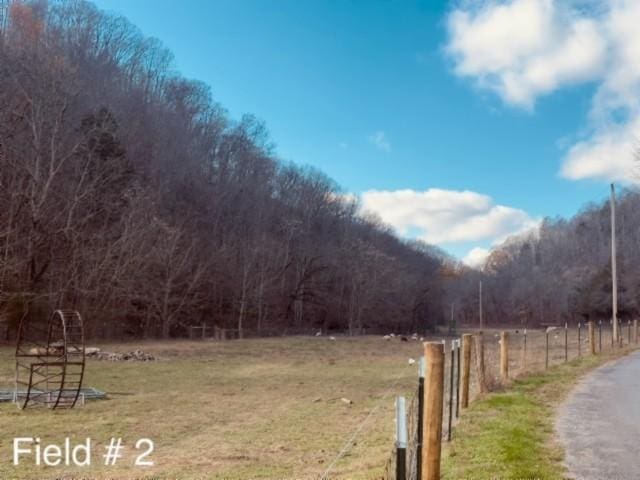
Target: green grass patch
(510, 434)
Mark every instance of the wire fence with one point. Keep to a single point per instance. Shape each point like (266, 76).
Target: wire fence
(525, 351)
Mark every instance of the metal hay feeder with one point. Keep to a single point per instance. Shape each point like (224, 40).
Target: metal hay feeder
(50, 361)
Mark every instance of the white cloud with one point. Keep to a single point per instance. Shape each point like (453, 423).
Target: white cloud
(446, 216)
(524, 49)
(476, 257)
(621, 84)
(379, 139)
(609, 154)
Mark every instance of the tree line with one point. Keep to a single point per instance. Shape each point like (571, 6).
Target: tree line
(561, 272)
(127, 192)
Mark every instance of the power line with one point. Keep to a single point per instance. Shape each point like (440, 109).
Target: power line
(614, 274)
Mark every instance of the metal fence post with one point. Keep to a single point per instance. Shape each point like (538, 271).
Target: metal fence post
(401, 439)
(451, 369)
(504, 356)
(466, 368)
(579, 344)
(599, 335)
(458, 377)
(422, 369)
(524, 350)
(546, 350)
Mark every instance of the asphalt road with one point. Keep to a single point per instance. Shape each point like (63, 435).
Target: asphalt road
(599, 424)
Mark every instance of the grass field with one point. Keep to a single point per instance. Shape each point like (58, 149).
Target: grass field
(267, 408)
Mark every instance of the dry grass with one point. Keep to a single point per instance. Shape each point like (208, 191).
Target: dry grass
(268, 408)
(532, 360)
(243, 409)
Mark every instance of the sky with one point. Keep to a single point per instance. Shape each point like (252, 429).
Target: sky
(459, 123)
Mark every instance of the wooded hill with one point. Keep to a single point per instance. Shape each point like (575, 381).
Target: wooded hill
(128, 193)
(562, 272)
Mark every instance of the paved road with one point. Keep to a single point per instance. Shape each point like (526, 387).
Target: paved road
(599, 424)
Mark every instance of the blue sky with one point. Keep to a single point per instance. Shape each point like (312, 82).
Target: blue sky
(459, 123)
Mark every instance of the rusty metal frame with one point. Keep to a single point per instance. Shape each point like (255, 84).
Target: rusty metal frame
(50, 361)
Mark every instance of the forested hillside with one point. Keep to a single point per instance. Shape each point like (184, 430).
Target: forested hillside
(128, 193)
(562, 272)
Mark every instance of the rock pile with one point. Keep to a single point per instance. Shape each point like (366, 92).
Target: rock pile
(134, 356)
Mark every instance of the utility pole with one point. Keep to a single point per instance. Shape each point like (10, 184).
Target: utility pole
(614, 273)
(480, 303)
(479, 339)
(452, 322)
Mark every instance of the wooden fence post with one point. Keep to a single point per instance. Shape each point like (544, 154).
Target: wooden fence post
(466, 369)
(635, 331)
(566, 342)
(592, 338)
(504, 356)
(482, 383)
(433, 404)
